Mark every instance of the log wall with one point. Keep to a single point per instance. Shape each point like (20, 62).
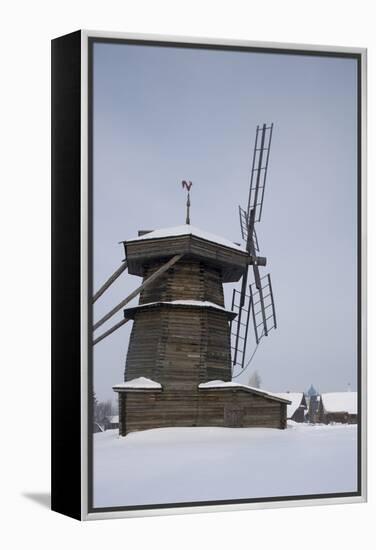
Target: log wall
(188, 279)
(224, 408)
(181, 346)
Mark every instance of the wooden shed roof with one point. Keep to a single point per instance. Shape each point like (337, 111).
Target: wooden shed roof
(220, 385)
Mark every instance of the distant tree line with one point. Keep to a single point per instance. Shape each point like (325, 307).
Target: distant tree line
(103, 409)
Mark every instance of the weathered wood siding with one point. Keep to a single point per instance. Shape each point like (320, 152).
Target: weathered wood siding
(179, 346)
(187, 280)
(231, 261)
(143, 348)
(240, 409)
(171, 408)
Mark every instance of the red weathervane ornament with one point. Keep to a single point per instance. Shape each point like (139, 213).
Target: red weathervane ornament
(187, 185)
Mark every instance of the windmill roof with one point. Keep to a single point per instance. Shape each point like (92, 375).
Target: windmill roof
(188, 230)
(188, 241)
(296, 400)
(340, 402)
(220, 384)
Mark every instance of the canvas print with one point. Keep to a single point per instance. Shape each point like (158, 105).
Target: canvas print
(224, 257)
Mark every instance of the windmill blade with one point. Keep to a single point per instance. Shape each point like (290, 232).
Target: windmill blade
(256, 274)
(252, 251)
(255, 241)
(263, 308)
(259, 304)
(244, 223)
(243, 217)
(239, 329)
(260, 162)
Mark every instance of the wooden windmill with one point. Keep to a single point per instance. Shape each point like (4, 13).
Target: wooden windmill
(179, 365)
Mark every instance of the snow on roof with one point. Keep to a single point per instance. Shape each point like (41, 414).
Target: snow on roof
(138, 383)
(194, 303)
(188, 230)
(113, 419)
(296, 400)
(340, 402)
(222, 384)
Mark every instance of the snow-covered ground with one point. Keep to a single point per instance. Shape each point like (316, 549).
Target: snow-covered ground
(171, 465)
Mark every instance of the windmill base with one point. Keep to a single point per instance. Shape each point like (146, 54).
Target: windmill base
(224, 407)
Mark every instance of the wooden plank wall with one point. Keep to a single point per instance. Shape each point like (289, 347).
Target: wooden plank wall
(187, 280)
(231, 261)
(203, 408)
(181, 345)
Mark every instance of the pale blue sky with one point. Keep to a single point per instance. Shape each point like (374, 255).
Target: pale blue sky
(166, 114)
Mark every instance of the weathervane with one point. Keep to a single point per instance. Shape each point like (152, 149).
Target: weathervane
(187, 186)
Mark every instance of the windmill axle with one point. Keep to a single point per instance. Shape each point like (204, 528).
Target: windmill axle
(257, 260)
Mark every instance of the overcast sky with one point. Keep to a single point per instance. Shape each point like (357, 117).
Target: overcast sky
(166, 114)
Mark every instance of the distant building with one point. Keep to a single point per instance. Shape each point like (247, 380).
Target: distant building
(111, 422)
(97, 428)
(313, 400)
(296, 411)
(313, 409)
(312, 391)
(338, 407)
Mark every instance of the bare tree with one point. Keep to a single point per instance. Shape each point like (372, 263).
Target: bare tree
(94, 406)
(104, 409)
(255, 380)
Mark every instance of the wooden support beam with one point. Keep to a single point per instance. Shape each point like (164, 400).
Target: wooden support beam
(110, 280)
(110, 331)
(133, 294)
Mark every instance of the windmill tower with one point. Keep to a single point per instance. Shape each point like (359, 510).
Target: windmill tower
(185, 343)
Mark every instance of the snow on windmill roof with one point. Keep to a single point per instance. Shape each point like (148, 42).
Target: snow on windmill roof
(340, 402)
(140, 383)
(296, 400)
(217, 384)
(188, 230)
(187, 303)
